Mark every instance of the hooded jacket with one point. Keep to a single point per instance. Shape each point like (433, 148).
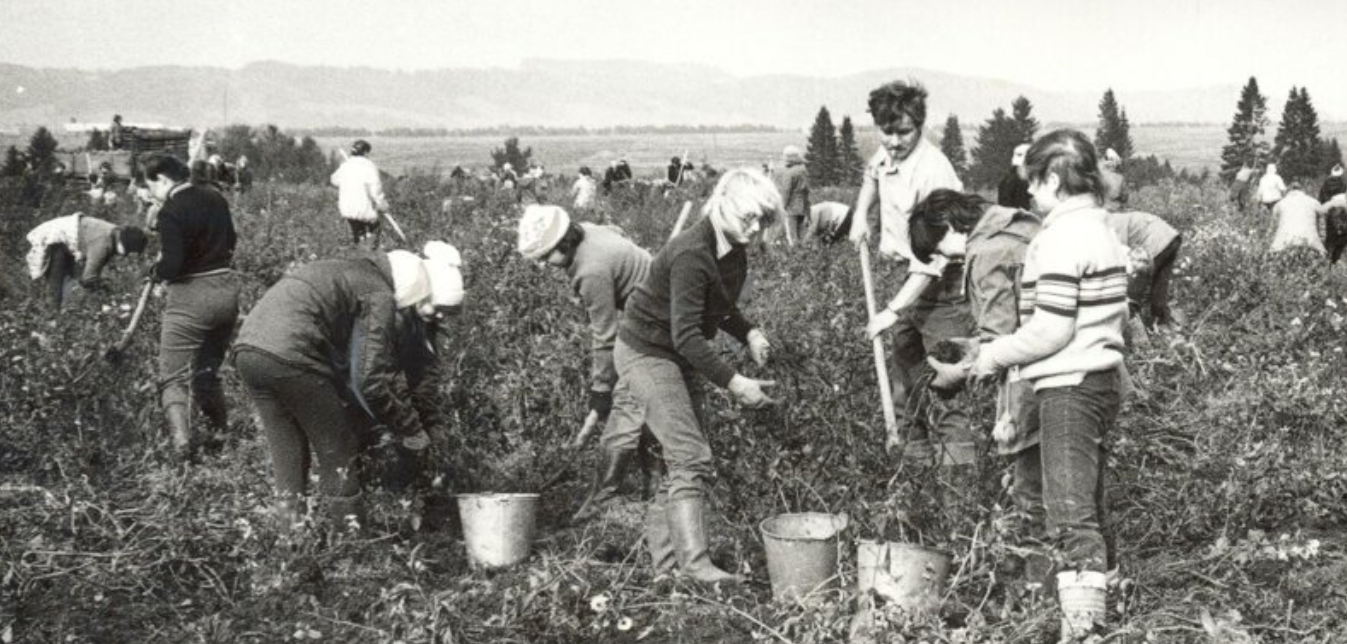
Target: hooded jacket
(339, 318)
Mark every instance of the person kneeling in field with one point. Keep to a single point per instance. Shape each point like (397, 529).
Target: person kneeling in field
(664, 350)
(59, 243)
(604, 269)
(1073, 299)
(324, 345)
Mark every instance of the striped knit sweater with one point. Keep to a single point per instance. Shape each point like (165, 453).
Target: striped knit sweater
(1073, 299)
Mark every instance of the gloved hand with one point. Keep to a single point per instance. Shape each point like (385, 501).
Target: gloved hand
(601, 402)
(860, 234)
(749, 392)
(949, 377)
(880, 323)
(759, 348)
(983, 367)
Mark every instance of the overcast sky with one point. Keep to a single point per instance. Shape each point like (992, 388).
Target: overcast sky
(1129, 45)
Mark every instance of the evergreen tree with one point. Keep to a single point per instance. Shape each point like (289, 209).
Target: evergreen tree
(996, 141)
(821, 155)
(850, 162)
(42, 150)
(1245, 131)
(1114, 130)
(1025, 123)
(951, 143)
(97, 141)
(14, 163)
(1297, 142)
(517, 158)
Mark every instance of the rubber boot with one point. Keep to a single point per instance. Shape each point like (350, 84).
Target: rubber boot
(658, 538)
(1082, 596)
(347, 513)
(604, 486)
(214, 408)
(687, 522)
(180, 430)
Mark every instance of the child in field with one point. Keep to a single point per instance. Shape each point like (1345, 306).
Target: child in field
(1271, 188)
(59, 243)
(1073, 300)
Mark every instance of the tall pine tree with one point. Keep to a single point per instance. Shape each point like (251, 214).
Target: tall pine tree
(1246, 131)
(851, 165)
(951, 143)
(42, 150)
(14, 163)
(1297, 143)
(996, 141)
(1027, 126)
(1114, 130)
(821, 154)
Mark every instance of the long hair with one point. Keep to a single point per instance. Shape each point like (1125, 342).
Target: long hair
(741, 191)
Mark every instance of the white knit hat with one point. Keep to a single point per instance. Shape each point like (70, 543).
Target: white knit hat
(446, 279)
(411, 282)
(1017, 158)
(541, 229)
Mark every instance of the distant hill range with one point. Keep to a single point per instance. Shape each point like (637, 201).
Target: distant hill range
(539, 92)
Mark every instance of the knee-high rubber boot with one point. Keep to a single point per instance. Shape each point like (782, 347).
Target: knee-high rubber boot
(658, 538)
(1082, 596)
(604, 486)
(687, 521)
(214, 408)
(179, 420)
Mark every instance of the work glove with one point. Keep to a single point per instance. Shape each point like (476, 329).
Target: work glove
(759, 348)
(749, 391)
(880, 323)
(601, 402)
(949, 378)
(860, 234)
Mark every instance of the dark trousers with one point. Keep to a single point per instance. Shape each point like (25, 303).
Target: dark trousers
(1061, 481)
(1335, 233)
(60, 273)
(302, 413)
(1162, 272)
(361, 230)
(194, 333)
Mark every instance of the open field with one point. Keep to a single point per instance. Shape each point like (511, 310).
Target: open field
(1228, 489)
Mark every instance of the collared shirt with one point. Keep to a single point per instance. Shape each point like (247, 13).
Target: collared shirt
(901, 185)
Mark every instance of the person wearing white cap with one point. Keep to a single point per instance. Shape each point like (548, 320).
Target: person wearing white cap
(604, 269)
(1013, 191)
(793, 184)
(337, 330)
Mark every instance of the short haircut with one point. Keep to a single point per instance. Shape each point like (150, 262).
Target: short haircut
(940, 211)
(1068, 154)
(360, 148)
(890, 101)
(168, 166)
(741, 191)
(133, 239)
(584, 171)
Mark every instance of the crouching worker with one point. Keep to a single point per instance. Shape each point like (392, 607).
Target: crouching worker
(604, 270)
(1148, 298)
(1073, 300)
(664, 351)
(58, 244)
(324, 346)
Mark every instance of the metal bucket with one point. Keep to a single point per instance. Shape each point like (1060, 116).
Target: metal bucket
(498, 528)
(801, 553)
(904, 574)
(1082, 595)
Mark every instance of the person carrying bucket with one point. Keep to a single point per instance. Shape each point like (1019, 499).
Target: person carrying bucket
(324, 346)
(1073, 303)
(604, 269)
(664, 351)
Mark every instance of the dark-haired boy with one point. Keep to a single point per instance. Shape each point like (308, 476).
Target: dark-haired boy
(930, 307)
(196, 239)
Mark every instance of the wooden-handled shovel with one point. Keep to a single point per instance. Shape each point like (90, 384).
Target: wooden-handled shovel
(114, 353)
(895, 439)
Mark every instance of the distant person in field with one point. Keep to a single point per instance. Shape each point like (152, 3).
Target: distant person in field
(604, 269)
(793, 183)
(1148, 298)
(116, 134)
(582, 191)
(243, 174)
(196, 255)
(59, 244)
(360, 195)
(1271, 187)
(1073, 303)
(930, 306)
(674, 173)
(1013, 191)
(1335, 220)
(609, 177)
(320, 355)
(1239, 187)
(1116, 194)
(828, 222)
(507, 179)
(103, 191)
(530, 189)
(665, 353)
(1297, 216)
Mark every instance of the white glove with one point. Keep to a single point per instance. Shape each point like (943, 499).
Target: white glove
(758, 347)
(860, 233)
(949, 376)
(880, 323)
(749, 391)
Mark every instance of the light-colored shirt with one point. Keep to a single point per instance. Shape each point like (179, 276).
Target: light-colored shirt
(360, 191)
(583, 191)
(1142, 230)
(605, 271)
(1298, 222)
(824, 218)
(1271, 188)
(900, 186)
